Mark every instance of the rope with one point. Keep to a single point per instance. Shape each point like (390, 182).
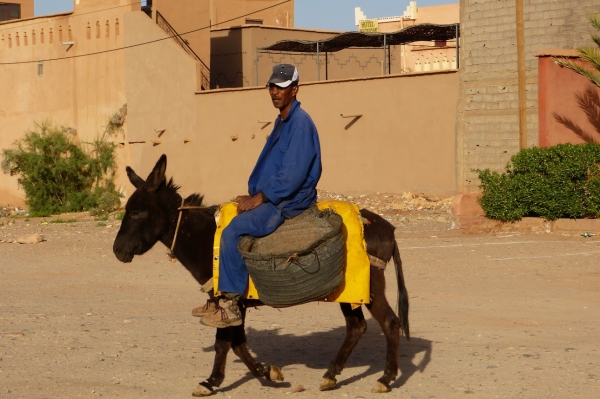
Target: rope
(208, 286)
(378, 263)
(171, 254)
(181, 208)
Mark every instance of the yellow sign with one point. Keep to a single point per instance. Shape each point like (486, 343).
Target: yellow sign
(368, 25)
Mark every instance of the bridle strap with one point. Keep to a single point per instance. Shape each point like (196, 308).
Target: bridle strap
(171, 253)
(181, 208)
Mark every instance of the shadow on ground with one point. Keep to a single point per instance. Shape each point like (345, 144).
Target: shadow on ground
(317, 349)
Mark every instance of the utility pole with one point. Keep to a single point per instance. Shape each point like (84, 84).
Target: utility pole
(522, 76)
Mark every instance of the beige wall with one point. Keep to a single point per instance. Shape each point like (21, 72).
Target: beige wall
(396, 145)
(188, 16)
(202, 16)
(81, 87)
(89, 6)
(403, 143)
(27, 10)
(85, 84)
(441, 14)
(225, 13)
(234, 56)
(160, 83)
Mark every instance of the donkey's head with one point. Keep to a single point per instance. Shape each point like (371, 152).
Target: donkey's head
(147, 213)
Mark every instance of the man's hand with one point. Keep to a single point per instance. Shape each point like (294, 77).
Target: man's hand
(247, 202)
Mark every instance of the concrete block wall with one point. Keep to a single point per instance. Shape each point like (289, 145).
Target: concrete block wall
(487, 117)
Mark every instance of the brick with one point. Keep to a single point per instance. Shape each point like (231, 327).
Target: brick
(548, 24)
(473, 106)
(540, 8)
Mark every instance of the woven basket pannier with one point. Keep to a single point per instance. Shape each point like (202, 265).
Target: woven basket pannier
(302, 261)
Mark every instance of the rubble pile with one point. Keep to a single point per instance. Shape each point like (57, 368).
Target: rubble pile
(13, 211)
(402, 209)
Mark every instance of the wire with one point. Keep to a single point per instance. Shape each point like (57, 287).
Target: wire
(70, 15)
(140, 44)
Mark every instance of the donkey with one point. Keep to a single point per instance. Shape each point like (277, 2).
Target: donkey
(152, 214)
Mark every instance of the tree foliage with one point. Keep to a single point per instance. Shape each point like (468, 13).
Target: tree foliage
(58, 175)
(562, 181)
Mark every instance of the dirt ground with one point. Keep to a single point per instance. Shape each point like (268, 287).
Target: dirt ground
(505, 315)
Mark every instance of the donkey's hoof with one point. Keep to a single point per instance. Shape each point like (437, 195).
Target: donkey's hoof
(204, 389)
(381, 388)
(327, 384)
(275, 374)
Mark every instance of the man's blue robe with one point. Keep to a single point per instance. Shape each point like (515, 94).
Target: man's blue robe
(286, 173)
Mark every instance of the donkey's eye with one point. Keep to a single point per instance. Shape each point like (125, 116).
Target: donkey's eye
(137, 214)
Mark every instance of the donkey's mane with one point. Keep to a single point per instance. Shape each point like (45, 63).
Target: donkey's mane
(194, 199)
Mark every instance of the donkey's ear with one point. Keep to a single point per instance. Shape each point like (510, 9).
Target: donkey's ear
(134, 178)
(156, 177)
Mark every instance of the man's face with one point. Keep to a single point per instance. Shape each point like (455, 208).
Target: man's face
(282, 96)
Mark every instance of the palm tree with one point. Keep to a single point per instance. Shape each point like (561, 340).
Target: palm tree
(587, 53)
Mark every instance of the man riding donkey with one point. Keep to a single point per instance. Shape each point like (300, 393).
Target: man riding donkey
(281, 186)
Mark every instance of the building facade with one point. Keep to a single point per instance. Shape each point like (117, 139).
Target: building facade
(16, 9)
(418, 56)
(238, 58)
(488, 111)
(78, 69)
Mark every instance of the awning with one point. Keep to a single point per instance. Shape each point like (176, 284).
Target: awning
(414, 33)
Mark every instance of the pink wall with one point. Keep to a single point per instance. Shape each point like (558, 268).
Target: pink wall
(568, 103)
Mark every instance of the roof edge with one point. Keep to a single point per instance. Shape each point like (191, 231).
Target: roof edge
(557, 52)
(335, 32)
(16, 21)
(333, 81)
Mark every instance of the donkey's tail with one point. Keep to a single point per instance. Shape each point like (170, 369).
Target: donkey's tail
(402, 293)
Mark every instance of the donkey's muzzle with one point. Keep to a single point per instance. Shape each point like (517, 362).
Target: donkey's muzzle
(122, 255)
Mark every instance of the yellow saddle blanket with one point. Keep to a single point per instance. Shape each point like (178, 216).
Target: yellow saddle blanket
(355, 285)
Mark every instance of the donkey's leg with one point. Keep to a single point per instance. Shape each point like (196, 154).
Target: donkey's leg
(390, 324)
(356, 325)
(222, 346)
(240, 348)
(234, 338)
(259, 370)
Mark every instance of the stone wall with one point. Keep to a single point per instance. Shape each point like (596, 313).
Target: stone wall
(487, 117)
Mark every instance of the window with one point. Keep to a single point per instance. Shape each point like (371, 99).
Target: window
(254, 21)
(9, 11)
(40, 69)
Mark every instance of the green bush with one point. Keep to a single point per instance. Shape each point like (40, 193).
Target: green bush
(107, 200)
(555, 182)
(58, 175)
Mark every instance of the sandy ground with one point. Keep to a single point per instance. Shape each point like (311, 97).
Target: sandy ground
(513, 315)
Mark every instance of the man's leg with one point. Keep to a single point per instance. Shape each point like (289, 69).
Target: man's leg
(233, 274)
